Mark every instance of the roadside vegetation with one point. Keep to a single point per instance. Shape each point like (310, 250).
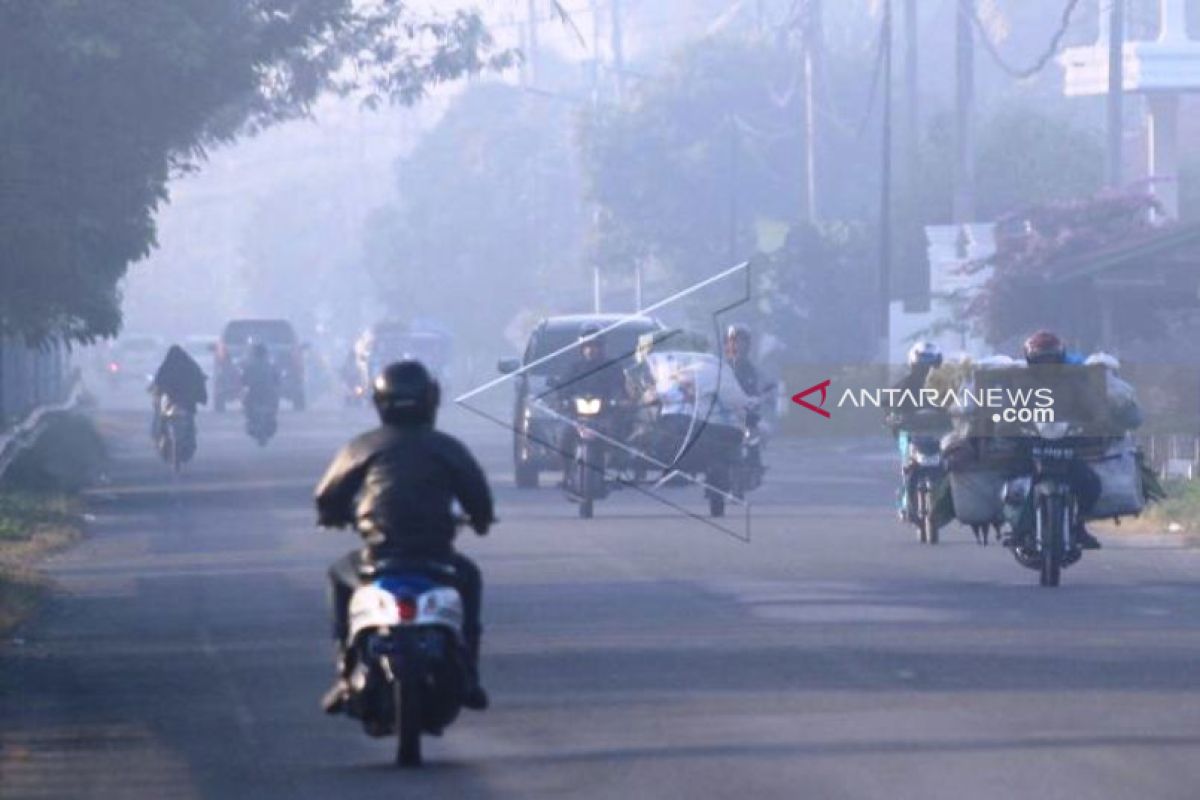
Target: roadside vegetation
(33, 524)
(1180, 511)
(41, 510)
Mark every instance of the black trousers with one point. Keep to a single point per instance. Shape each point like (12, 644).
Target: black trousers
(344, 578)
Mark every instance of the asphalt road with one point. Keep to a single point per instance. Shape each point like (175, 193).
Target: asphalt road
(639, 654)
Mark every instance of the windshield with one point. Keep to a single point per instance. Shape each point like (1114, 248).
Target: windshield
(619, 343)
(272, 332)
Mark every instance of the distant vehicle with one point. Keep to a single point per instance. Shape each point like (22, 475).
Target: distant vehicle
(134, 358)
(390, 341)
(285, 350)
(536, 435)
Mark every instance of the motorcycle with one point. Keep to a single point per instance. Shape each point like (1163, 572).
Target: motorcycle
(587, 456)
(262, 421)
(922, 468)
(1050, 545)
(410, 672)
(175, 433)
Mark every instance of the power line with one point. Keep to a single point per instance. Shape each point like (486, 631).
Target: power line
(1043, 59)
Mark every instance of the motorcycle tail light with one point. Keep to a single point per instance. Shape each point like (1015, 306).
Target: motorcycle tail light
(408, 609)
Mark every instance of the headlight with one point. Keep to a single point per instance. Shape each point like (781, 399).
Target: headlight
(588, 406)
(1051, 430)
(926, 459)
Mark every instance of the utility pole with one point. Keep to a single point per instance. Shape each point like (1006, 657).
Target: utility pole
(532, 61)
(964, 112)
(1116, 91)
(618, 49)
(595, 7)
(912, 100)
(734, 145)
(885, 193)
(812, 41)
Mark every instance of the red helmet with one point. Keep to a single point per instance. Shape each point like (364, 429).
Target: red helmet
(1045, 347)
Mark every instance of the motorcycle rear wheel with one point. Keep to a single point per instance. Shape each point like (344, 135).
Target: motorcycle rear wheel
(929, 531)
(1052, 539)
(408, 722)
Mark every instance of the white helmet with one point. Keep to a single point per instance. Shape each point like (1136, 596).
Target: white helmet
(925, 353)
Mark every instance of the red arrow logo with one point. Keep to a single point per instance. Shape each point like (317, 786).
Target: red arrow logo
(821, 387)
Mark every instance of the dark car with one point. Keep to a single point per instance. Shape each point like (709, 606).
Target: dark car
(285, 351)
(534, 433)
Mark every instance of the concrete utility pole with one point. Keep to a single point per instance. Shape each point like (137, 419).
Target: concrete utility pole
(885, 194)
(1116, 91)
(964, 113)
(912, 99)
(618, 50)
(813, 40)
(532, 55)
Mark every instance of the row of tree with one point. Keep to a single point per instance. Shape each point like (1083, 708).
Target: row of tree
(699, 166)
(101, 104)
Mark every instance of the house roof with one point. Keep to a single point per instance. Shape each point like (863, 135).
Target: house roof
(1095, 264)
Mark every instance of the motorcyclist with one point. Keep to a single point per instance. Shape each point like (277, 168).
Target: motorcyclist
(908, 408)
(594, 373)
(738, 341)
(1046, 348)
(179, 380)
(260, 378)
(396, 484)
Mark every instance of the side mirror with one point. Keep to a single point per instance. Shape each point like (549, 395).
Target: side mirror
(508, 365)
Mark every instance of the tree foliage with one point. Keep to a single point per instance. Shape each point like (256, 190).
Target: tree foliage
(101, 103)
(1027, 290)
(489, 219)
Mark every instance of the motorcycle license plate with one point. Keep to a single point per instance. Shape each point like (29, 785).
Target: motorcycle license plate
(1049, 452)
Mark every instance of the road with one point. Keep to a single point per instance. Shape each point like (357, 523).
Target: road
(639, 654)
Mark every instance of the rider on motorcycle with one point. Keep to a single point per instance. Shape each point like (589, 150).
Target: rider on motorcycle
(181, 381)
(594, 374)
(260, 378)
(396, 485)
(1045, 347)
(737, 353)
(923, 358)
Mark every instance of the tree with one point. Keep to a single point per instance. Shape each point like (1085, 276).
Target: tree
(489, 219)
(101, 103)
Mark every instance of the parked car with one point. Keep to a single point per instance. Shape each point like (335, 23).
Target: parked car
(133, 357)
(283, 346)
(535, 434)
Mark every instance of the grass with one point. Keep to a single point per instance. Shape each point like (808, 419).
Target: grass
(1181, 507)
(32, 525)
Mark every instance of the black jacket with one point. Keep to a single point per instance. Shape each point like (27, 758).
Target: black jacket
(747, 376)
(603, 377)
(180, 378)
(396, 486)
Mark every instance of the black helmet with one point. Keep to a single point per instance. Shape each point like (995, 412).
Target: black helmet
(406, 394)
(589, 335)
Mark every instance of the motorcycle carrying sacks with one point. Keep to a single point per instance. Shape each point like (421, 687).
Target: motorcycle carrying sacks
(1121, 488)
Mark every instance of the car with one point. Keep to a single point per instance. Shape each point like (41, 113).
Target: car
(283, 346)
(534, 433)
(389, 341)
(134, 357)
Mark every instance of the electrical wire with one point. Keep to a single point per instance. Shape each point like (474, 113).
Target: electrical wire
(1043, 59)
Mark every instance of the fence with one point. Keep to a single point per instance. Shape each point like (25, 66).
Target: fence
(1173, 455)
(32, 378)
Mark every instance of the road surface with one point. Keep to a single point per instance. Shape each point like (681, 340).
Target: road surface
(641, 654)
